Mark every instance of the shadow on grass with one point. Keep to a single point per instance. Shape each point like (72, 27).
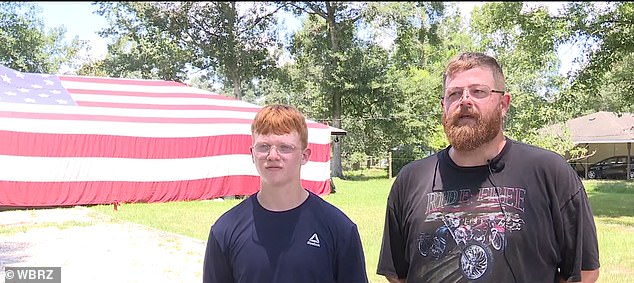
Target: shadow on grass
(365, 174)
(361, 176)
(11, 208)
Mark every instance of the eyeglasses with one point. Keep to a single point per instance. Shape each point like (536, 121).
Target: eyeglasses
(476, 91)
(281, 149)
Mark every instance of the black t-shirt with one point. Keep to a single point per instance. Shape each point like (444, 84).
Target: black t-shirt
(524, 217)
(314, 242)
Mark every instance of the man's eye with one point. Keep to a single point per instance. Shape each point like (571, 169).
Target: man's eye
(263, 147)
(480, 91)
(454, 94)
(286, 148)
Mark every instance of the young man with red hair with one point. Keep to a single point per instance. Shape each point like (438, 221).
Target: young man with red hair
(283, 233)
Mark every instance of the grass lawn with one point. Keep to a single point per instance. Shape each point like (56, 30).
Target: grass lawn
(363, 196)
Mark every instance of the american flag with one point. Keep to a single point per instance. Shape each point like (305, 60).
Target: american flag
(72, 140)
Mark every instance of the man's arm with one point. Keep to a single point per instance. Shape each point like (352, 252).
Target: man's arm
(395, 280)
(587, 276)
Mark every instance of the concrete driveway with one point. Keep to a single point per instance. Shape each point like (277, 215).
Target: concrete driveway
(91, 247)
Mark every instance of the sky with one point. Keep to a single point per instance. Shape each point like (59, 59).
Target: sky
(80, 20)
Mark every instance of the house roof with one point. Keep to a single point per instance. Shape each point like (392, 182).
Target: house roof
(599, 127)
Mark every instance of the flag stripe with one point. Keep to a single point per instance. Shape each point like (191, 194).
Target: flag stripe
(106, 93)
(45, 169)
(219, 112)
(61, 116)
(110, 118)
(107, 192)
(164, 107)
(319, 136)
(53, 145)
(158, 100)
(140, 89)
(118, 81)
(148, 111)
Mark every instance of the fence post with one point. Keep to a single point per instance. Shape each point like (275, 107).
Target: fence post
(389, 164)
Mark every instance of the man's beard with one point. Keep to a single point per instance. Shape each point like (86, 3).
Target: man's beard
(468, 137)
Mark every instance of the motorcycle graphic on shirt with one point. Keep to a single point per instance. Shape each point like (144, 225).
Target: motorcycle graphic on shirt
(472, 235)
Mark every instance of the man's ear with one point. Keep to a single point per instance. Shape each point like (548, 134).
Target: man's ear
(505, 103)
(305, 155)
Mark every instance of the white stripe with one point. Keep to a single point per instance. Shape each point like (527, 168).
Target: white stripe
(124, 112)
(161, 100)
(114, 86)
(130, 129)
(69, 169)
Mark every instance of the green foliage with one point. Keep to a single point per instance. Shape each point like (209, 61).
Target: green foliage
(558, 139)
(524, 42)
(26, 46)
(165, 40)
(355, 161)
(142, 47)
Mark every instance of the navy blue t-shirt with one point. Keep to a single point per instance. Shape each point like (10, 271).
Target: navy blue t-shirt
(314, 242)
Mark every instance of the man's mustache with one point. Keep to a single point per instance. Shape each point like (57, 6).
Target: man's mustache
(455, 117)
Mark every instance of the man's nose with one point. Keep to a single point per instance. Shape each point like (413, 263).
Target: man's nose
(273, 153)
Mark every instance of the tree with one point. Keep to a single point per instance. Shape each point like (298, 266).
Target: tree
(167, 39)
(26, 46)
(333, 37)
(524, 42)
(606, 32)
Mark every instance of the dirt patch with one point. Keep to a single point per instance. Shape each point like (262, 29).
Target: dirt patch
(91, 247)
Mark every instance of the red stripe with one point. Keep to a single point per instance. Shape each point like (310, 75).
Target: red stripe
(118, 81)
(176, 120)
(82, 145)
(166, 107)
(83, 193)
(82, 117)
(149, 94)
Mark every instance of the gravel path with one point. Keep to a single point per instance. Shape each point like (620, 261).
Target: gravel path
(94, 248)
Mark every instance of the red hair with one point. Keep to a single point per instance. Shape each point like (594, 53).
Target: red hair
(279, 119)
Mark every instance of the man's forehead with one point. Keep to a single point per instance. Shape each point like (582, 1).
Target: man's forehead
(292, 135)
(473, 76)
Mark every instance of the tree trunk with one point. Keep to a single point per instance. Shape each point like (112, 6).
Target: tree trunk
(336, 170)
(236, 87)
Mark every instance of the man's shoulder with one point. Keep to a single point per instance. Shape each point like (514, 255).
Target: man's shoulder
(528, 151)
(531, 156)
(328, 210)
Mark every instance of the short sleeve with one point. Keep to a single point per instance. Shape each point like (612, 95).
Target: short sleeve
(580, 248)
(216, 267)
(351, 260)
(392, 260)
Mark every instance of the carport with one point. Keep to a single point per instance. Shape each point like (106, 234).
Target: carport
(604, 134)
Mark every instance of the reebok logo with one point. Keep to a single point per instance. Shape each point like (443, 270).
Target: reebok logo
(314, 240)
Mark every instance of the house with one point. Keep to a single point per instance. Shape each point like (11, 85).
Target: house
(604, 134)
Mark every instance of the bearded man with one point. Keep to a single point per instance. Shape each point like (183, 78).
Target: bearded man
(537, 223)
